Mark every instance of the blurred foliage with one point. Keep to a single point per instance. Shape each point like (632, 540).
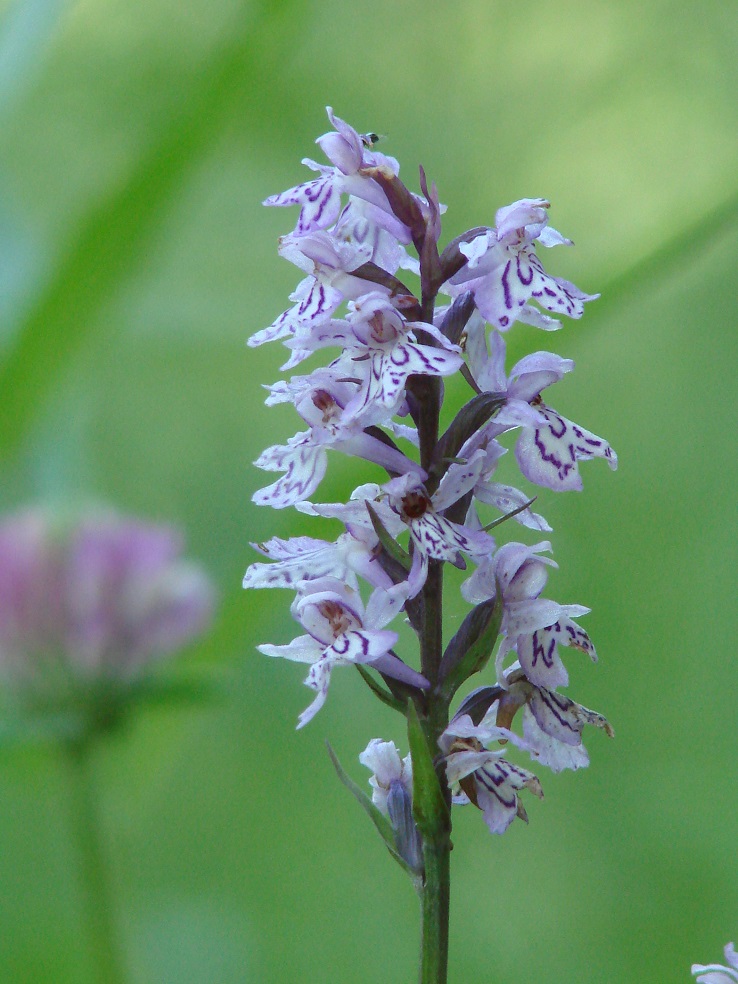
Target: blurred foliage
(137, 141)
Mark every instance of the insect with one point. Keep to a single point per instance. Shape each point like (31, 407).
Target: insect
(370, 139)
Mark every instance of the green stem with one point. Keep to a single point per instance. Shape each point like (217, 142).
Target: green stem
(435, 910)
(436, 891)
(92, 869)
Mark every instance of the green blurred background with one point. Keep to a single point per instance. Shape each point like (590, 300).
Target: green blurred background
(137, 140)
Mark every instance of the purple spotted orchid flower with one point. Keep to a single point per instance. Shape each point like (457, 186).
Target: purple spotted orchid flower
(320, 200)
(504, 273)
(552, 722)
(326, 401)
(394, 352)
(532, 627)
(341, 631)
(404, 504)
(481, 775)
(550, 447)
(432, 533)
(329, 264)
(381, 350)
(305, 558)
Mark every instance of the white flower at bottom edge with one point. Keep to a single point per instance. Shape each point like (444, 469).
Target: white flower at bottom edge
(717, 973)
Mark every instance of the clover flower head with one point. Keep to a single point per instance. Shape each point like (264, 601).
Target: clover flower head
(92, 602)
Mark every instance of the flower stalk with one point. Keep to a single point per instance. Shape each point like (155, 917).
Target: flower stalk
(94, 877)
(436, 887)
(435, 909)
(380, 399)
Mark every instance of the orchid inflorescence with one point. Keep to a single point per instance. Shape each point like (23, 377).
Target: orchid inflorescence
(437, 499)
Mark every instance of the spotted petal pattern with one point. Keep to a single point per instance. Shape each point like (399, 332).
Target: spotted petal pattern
(538, 650)
(351, 647)
(441, 539)
(504, 272)
(304, 463)
(548, 454)
(497, 786)
(319, 201)
(317, 303)
(483, 777)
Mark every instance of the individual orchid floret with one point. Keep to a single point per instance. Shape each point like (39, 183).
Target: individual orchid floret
(382, 350)
(434, 535)
(550, 447)
(340, 632)
(92, 603)
(532, 626)
(354, 514)
(372, 231)
(304, 458)
(304, 558)
(504, 272)
(329, 265)
(359, 522)
(482, 776)
(320, 199)
(329, 398)
(552, 723)
(388, 769)
(718, 973)
(548, 454)
(392, 793)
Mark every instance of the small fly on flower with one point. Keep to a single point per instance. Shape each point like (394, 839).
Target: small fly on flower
(370, 139)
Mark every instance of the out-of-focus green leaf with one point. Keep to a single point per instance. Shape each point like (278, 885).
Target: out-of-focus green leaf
(25, 30)
(111, 243)
(666, 259)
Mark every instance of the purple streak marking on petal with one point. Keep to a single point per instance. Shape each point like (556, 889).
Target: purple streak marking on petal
(525, 282)
(506, 285)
